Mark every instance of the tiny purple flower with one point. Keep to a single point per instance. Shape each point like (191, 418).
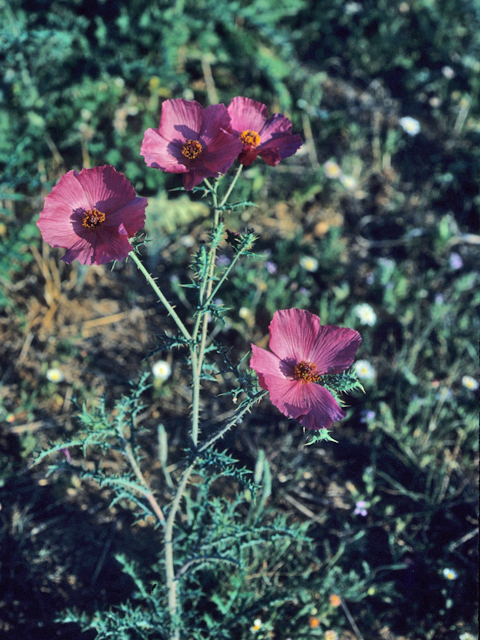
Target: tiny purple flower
(271, 267)
(360, 508)
(66, 453)
(455, 261)
(223, 261)
(367, 416)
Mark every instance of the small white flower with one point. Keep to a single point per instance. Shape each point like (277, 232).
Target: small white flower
(468, 636)
(332, 170)
(309, 263)
(450, 574)
(364, 370)
(161, 370)
(244, 313)
(366, 314)
(86, 114)
(470, 383)
(187, 241)
(348, 182)
(410, 125)
(448, 72)
(55, 375)
(257, 623)
(352, 8)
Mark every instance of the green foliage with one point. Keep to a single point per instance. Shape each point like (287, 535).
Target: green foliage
(15, 256)
(75, 80)
(115, 431)
(380, 39)
(219, 464)
(215, 535)
(277, 280)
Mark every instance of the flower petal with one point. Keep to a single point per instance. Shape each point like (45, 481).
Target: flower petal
(278, 125)
(110, 245)
(98, 247)
(161, 153)
(311, 404)
(286, 395)
(323, 409)
(221, 153)
(279, 147)
(215, 118)
(293, 333)
(82, 250)
(271, 156)
(248, 157)
(197, 173)
(334, 349)
(131, 216)
(55, 222)
(107, 189)
(246, 113)
(181, 120)
(267, 363)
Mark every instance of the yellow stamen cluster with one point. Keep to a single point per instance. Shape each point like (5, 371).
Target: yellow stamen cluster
(306, 372)
(93, 219)
(250, 138)
(192, 149)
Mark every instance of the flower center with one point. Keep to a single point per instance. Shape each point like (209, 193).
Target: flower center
(306, 372)
(93, 219)
(192, 149)
(250, 138)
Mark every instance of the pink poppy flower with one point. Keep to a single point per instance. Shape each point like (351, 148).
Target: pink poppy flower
(303, 352)
(191, 140)
(270, 139)
(92, 214)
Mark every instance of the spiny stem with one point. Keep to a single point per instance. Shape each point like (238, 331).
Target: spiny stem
(350, 619)
(162, 298)
(235, 418)
(226, 196)
(148, 493)
(211, 267)
(169, 568)
(168, 537)
(196, 393)
(223, 278)
(197, 353)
